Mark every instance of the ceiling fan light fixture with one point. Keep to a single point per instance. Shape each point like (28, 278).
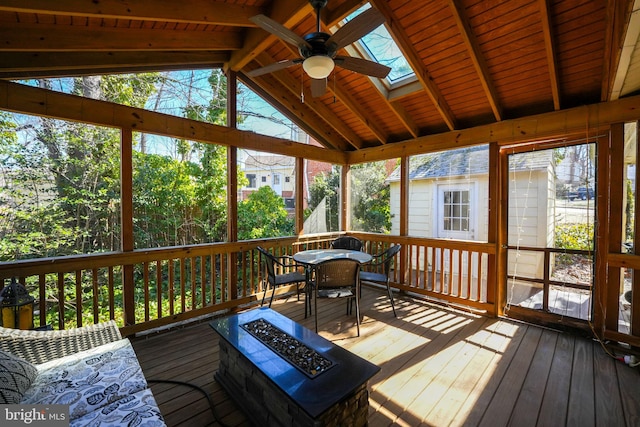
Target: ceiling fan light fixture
(318, 66)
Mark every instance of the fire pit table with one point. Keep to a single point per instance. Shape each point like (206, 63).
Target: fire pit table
(281, 373)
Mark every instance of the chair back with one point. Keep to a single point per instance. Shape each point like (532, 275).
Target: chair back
(347, 242)
(269, 263)
(388, 258)
(337, 273)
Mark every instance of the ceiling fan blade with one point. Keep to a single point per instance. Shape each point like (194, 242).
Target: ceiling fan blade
(280, 65)
(279, 30)
(357, 28)
(362, 66)
(318, 87)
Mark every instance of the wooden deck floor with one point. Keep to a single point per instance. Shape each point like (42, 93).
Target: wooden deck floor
(439, 367)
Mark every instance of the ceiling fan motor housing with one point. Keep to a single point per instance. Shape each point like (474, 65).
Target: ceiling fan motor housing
(318, 42)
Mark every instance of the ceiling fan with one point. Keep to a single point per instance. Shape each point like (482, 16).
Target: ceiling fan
(318, 50)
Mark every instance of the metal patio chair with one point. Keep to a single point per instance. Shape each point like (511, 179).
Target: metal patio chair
(274, 280)
(338, 278)
(347, 242)
(383, 260)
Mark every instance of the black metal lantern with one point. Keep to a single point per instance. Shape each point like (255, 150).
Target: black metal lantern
(16, 306)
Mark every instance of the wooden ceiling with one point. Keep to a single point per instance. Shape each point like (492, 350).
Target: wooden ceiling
(476, 62)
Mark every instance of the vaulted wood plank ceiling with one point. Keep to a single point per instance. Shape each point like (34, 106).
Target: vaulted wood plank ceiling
(476, 62)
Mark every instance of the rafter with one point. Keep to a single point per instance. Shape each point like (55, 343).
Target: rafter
(401, 39)
(198, 12)
(256, 40)
(476, 57)
(47, 37)
(631, 37)
(289, 105)
(549, 47)
(56, 64)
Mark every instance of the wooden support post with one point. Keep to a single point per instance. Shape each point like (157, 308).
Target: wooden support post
(299, 195)
(493, 281)
(232, 187)
(345, 198)
(501, 189)
(126, 222)
(608, 237)
(404, 217)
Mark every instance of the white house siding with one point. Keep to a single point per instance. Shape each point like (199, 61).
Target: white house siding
(531, 207)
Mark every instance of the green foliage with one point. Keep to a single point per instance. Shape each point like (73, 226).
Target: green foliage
(263, 215)
(371, 211)
(326, 186)
(574, 236)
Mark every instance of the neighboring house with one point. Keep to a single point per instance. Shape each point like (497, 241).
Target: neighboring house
(278, 172)
(448, 199)
(272, 170)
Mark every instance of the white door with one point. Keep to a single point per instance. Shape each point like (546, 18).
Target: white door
(276, 183)
(455, 219)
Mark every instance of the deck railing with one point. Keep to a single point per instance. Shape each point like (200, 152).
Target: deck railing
(180, 283)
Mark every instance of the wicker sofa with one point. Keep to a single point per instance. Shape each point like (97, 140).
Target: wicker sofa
(91, 369)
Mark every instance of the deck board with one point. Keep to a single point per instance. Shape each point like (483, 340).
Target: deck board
(438, 367)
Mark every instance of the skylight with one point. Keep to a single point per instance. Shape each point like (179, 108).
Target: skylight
(379, 46)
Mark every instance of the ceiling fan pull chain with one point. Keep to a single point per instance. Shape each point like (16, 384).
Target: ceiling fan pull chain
(302, 87)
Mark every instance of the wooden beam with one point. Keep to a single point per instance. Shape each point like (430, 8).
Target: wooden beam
(17, 65)
(31, 100)
(549, 47)
(402, 40)
(199, 11)
(618, 15)
(291, 107)
(556, 124)
(623, 63)
(126, 222)
(58, 38)
(320, 109)
(470, 42)
(286, 12)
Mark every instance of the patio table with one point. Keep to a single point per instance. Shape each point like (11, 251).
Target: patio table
(311, 258)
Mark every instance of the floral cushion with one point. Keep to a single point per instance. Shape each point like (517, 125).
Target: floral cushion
(16, 376)
(89, 380)
(139, 409)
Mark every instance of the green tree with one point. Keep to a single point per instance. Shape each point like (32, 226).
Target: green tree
(326, 187)
(370, 194)
(263, 215)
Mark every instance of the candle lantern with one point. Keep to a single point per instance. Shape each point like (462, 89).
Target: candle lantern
(16, 306)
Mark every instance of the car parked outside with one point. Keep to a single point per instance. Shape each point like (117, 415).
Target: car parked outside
(582, 193)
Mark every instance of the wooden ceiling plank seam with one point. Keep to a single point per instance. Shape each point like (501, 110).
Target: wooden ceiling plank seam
(47, 37)
(400, 37)
(476, 57)
(271, 91)
(287, 12)
(314, 104)
(331, 17)
(198, 12)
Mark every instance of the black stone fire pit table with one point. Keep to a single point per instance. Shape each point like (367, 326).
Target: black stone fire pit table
(280, 372)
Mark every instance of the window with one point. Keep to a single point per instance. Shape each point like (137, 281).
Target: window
(252, 180)
(264, 179)
(289, 203)
(456, 210)
(276, 179)
(287, 179)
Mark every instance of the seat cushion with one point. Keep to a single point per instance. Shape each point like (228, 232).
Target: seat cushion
(16, 376)
(285, 279)
(139, 409)
(89, 380)
(373, 277)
